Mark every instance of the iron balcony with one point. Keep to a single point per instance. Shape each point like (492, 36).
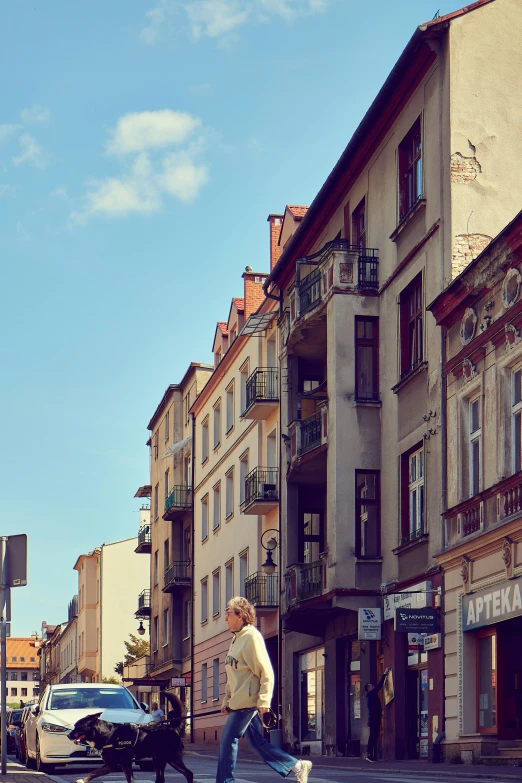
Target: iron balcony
(261, 491)
(178, 574)
(143, 605)
(178, 500)
(261, 590)
(262, 393)
(144, 541)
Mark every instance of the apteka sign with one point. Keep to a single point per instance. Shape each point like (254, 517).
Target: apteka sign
(496, 603)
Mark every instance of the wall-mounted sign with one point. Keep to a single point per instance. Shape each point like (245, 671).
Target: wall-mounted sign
(415, 642)
(177, 682)
(416, 620)
(370, 623)
(414, 597)
(433, 641)
(492, 605)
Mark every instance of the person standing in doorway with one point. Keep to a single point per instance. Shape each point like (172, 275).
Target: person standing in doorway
(374, 706)
(248, 693)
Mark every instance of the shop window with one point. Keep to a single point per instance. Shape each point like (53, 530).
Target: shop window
(367, 514)
(412, 494)
(487, 681)
(312, 695)
(410, 169)
(366, 358)
(516, 419)
(475, 446)
(411, 326)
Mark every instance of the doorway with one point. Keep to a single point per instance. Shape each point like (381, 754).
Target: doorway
(509, 675)
(417, 713)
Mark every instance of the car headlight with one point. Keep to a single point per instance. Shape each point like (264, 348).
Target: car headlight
(53, 728)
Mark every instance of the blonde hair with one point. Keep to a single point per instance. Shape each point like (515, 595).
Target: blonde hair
(244, 609)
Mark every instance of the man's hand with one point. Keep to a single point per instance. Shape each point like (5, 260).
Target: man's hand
(388, 670)
(262, 710)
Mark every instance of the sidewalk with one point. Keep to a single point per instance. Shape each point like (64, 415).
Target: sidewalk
(18, 774)
(405, 767)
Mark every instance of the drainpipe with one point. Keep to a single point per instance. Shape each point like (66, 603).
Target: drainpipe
(281, 566)
(192, 570)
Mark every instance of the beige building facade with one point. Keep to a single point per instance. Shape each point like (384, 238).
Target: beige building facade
(409, 203)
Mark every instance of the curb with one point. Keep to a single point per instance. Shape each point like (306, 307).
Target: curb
(442, 773)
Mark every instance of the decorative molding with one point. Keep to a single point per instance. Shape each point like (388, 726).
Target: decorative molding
(511, 287)
(469, 371)
(512, 337)
(507, 556)
(465, 573)
(468, 326)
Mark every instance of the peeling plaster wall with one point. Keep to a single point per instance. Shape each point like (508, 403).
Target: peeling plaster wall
(485, 138)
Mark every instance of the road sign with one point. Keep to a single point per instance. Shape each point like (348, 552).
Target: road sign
(417, 620)
(16, 560)
(370, 623)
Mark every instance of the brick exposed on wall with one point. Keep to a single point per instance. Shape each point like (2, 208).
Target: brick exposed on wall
(275, 229)
(254, 294)
(466, 247)
(465, 169)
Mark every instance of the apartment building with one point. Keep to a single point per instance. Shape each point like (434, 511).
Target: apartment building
(107, 579)
(481, 553)
(424, 184)
(22, 668)
(236, 490)
(166, 599)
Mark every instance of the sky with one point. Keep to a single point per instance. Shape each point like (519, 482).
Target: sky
(143, 145)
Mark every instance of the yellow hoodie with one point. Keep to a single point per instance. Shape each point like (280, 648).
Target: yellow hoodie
(250, 677)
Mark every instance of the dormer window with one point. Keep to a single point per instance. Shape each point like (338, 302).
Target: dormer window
(233, 335)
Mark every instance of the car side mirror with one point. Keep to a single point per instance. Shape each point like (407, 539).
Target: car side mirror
(35, 710)
(144, 706)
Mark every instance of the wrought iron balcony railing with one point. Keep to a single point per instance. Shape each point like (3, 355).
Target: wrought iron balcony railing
(178, 573)
(261, 484)
(413, 535)
(310, 432)
(144, 536)
(262, 386)
(143, 604)
(303, 581)
(261, 589)
(179, 498)
(309, 291)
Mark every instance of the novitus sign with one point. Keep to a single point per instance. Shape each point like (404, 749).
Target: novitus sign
(496, 603)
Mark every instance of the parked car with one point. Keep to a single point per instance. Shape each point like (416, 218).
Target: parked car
(49, 722)
(20, 733)
(13, 722)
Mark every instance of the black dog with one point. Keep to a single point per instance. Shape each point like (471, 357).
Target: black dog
(120, 743)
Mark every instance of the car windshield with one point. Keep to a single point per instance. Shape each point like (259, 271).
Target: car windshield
(83, 698)
(15, 715)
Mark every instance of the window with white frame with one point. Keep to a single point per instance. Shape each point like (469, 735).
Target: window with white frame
(229, 494)
(204, 440)
(243, 571)
(229, 581)
(243, 472)
(204, 600)
(204, 518)
(217, 424)
(243, 378)
(416, 493)
(215, 679)
(203, 682)
(230, 407)
(516, 419)
(216, 592)
(475, 445)
(216, 509)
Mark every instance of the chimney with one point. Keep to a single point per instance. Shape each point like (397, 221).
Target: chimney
(275, 222)
(253, 290)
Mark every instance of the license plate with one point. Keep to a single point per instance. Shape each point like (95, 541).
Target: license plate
(93, 751)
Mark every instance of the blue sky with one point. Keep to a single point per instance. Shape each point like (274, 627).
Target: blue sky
(142, 146)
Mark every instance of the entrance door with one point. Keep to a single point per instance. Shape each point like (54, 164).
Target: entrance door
(509, 641)
(417, 713)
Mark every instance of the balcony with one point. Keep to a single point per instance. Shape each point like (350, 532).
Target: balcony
(302, 582)
(262, 394)
(178, 500)
(143, 605)
(309, 437)
(178, 574)
(261, 591)
(144, 541)
(261, 491)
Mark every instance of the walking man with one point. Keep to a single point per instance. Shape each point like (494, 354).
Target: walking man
(374, 705)
(248, 693)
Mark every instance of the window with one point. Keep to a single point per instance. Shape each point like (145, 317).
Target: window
(14, 691)
(216, 511)
(411, 316)
(366, 358)
(229, 581)
(156, 567)
(487, 715)
(156, 445)
(204, 518)
(165, 627)
(166, 554)
(215, 679)
(186, 407)
(243, 472)
(367, 514)
(166, 484)
(230, 407)
(187, 548)
(215, 592)
(217, 425)
(475, 442)
(204, 600)
(516, 418)
(14, 675)
(156, 501)
(410, 169)
(187, 470)
(155, 634)
(24, 691)
(243, 571)
(412, 494)
(187, 619)
(243, 387)
(312, 537)
(203, 682)
(359, 226)
(23, 676)
(204, 441)
(167, 425)
(229, 494)
(233, 335)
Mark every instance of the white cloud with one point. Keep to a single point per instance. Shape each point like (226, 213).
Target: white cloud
(7, 190)
(30, 152)
(36, 113)
(7, 130)
(218, 18)
(147, 130)
(181, 177)
(60, 192)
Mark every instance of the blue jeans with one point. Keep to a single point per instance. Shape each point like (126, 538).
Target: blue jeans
(247, 723)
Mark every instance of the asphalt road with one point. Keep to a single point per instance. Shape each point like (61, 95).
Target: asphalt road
(204, 769)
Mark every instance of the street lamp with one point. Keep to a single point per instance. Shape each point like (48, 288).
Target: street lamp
(141, 628)
(269, 566)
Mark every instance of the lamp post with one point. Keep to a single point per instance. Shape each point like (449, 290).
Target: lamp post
(270, 541)
(141, 628)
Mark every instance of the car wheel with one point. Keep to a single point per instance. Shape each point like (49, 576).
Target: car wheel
(40, 766)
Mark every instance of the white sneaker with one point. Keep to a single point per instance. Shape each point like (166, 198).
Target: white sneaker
(302, 775)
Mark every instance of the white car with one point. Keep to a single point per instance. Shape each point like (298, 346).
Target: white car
(49, 722)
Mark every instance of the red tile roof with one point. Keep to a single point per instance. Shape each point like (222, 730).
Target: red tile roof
(223, 326)
(239, 303)
(296, 211)
(18, 648)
